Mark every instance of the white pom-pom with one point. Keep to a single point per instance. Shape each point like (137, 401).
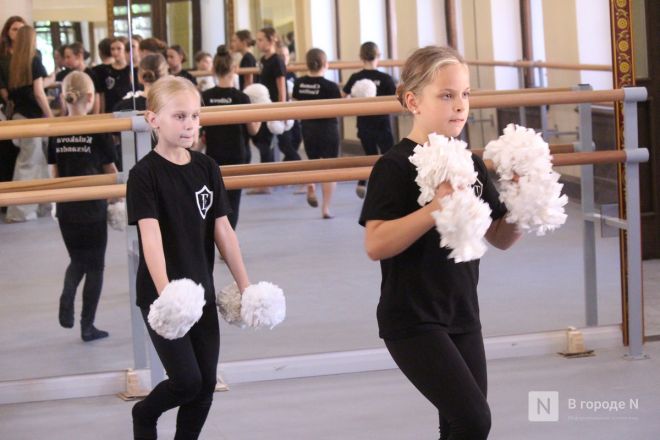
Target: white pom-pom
(263, 305)
(462, 223)
(177, 309)
(258, 93)
(442, 159)
(279, 127)
(364, 88)
(464, 218)
(535, 202)
(117, 215)
(228, 301)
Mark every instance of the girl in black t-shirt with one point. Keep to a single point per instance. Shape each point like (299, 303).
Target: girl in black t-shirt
(428, 313)
(152, 67)
(273, 73)
(83, 224)
(176, 56)
(374, 132)
(320, 136)
(74, 60)
(241, 42)
(177, 199)
(227, 144)
(115, 80)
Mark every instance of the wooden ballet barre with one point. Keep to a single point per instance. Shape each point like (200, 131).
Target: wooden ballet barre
(286, 178)
(226, 170)
(354, 65)
(364, 107)
(288, 104)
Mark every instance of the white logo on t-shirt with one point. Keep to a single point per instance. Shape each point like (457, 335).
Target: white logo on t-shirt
(204, 200)
(478, 188)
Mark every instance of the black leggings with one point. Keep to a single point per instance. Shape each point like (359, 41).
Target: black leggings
(191, 366)
(234, 196)
(375, 140)
(450, 371)
(85, 243)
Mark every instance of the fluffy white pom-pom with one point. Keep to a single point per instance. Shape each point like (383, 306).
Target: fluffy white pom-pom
(228, 301)
(263, 305)
(279, 127)
(364, 88)
(442, 159)
(535, 202)
(258, 93)
(464, 218)
(117, 215)
(177, 309)
(462, 223)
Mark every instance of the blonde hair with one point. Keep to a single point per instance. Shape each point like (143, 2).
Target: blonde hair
(421, 68)
(75, 86)
(162, 91)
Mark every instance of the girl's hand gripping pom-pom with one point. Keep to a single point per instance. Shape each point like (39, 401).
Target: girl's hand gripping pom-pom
(534, 199)
(177, 309)
(263, 305)
(228, 301)
(464, 218)
(117, 215)
(364, 88)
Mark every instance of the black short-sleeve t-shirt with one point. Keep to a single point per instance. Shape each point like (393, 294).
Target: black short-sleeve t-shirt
(226, 143)
(63, 74)
(422, 289)
(384, 87)
(271, 69)
(315, 87)
(183, 73)
(248, 60)
(114, 84)
(186, 200)
(24, 100)
(81, 155)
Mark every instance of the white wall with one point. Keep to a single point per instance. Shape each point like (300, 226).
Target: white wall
(242, 15)
(213, 24)
(594, 40)
(506, 38)
(372, 24)
(538, 39)
(431, 23)
(324, 36)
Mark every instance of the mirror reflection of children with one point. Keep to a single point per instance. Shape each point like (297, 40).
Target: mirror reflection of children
(320, 136)
(83, 224)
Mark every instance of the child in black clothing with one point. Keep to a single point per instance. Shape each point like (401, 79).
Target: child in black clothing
(83, 224)
(178, 201)
(374, 132)
(227, 144)
(241, 42)
(176, 56)
(428, 313)
(320, 136)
